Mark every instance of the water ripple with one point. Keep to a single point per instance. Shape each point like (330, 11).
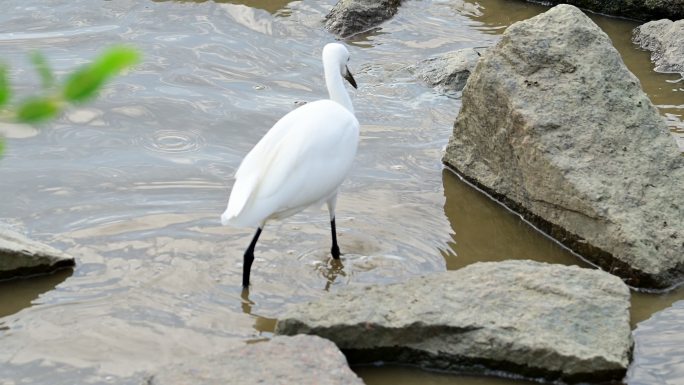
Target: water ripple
(658, 353)
(172, 141)
(21, 36)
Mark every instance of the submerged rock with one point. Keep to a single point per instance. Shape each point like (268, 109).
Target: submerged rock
(282, 360)
(350, 17)
(533, 319)
(555, 126)
(20, 256)
(665, 40)
(659, 349)
(635, 9)
(448, 72)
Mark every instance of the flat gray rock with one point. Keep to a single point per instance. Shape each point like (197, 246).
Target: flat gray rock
(282, 360)
(532, 319)
(665, 40)
(555, 126)
(20, 256)
(659, 349)
(349, 17)
(450, 71)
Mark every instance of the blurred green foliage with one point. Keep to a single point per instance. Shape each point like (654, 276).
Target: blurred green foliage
(36, 109)
(78, 87)
(43, 69)
(84, 83)
(4, 86)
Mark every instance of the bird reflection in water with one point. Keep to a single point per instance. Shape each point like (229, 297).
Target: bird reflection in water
(265, 326)
(332, 271)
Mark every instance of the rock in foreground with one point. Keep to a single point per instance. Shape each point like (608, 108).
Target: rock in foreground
(665, 40)
(524, 317)
(350, 17)
(659, 349)
(282, 360)
(555, 126)
(20, 256)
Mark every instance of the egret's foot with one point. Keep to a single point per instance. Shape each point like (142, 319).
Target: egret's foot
(246, 304)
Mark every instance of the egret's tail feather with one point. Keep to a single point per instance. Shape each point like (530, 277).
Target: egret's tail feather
(226, 219)
(240, 196)
(238, 220)
(246, 217)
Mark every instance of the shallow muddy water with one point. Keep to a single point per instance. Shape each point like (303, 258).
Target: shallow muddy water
(133, 184)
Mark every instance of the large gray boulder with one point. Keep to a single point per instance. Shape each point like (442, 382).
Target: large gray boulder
(20, 256)
(532, 319)
(555, 126)
(635, 9)
(659, 349)
(282, 360)
(448, 72)
(665, 40)
(349, 17)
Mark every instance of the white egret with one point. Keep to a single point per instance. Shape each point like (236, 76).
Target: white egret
(301, 161)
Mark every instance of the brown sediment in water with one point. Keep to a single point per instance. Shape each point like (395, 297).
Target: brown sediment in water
(592, 254)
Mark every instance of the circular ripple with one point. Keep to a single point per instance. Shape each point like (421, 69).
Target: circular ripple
(172, 141)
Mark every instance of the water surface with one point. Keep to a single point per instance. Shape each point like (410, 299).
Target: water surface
(133, 184)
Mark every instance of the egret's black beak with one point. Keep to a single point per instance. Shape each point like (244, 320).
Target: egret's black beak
(349, 77)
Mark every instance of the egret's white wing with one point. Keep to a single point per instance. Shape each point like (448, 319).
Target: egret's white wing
(313, 158)
(253, 166)
(303, 159)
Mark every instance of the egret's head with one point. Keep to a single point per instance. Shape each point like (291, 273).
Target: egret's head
(336, 54)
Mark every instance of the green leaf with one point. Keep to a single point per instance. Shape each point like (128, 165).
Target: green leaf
(38, 109)
(84, 83)
(4, 86)
(43, 69)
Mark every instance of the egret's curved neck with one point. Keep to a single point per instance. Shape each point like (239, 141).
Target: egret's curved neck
(335, 84)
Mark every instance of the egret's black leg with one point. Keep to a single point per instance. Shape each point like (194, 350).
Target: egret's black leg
(335, 248)
(249, 258)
